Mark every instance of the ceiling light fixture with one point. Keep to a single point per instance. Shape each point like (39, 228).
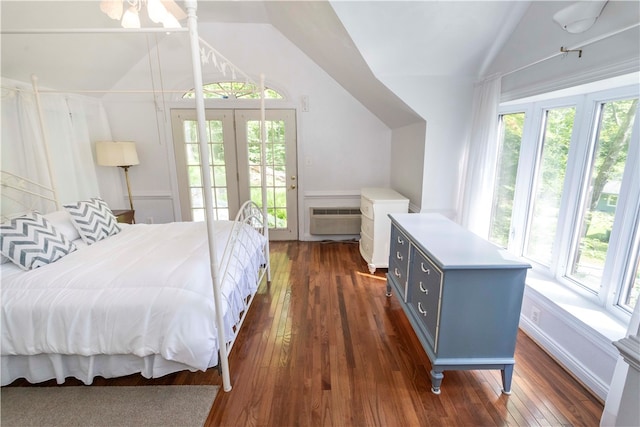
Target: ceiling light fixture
(580, 16)
(166, 12)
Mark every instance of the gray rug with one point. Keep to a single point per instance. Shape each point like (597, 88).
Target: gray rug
(106, 406)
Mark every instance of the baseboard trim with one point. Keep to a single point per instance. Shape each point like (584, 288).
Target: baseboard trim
(592, 383)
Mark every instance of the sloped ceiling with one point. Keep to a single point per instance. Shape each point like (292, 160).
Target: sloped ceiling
(429, 38)
(355, 42)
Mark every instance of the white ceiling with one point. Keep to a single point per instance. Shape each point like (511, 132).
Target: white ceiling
(428, 38)
(356, 42)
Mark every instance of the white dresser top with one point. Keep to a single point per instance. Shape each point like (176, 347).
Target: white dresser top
(382, 194)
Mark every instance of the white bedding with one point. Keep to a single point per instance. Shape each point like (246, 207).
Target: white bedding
(145, 292)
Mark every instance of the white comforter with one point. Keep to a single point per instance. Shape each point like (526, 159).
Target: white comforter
(145, 291)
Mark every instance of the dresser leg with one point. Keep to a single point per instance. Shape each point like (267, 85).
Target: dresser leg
(388, 288)
(436, 380)
(507, 374)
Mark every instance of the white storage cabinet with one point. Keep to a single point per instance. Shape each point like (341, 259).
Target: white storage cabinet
(375, 205)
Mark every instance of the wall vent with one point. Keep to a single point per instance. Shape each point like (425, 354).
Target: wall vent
(335, 221)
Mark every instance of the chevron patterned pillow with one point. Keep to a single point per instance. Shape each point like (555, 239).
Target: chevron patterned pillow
(93, 219)
(30, 241)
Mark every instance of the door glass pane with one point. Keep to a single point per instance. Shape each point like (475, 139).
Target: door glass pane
(276, 180)
(604, 178)
(217, 172)
(509, 153)
(549, 181)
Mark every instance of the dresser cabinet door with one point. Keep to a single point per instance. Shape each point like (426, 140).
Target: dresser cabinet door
(366, 207)
(399, 258)
(367, 226)
(425, 287)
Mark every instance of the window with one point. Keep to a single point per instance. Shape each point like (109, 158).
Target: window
(550, 168)
(566, 196)
(510, 130)
(606, 165)
(276, 175)
(234, 90)
(217, 168)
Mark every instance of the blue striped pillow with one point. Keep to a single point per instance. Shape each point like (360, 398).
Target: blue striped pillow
(30, 241)
(93, 219)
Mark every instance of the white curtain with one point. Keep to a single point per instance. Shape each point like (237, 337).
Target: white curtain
(481, 157)
(67, 133)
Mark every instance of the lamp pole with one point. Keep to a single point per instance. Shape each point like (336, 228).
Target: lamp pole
(126, 176)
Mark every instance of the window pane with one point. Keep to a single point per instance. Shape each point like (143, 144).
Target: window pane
(197, 199)
(193, 154)
(190, 128)
(604, 178)
(630, 300)
(195, 177)
(509, 152)
(275, 178)
(550, 173)
(217, 170)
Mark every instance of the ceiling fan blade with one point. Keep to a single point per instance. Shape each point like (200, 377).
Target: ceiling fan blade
(173, 8)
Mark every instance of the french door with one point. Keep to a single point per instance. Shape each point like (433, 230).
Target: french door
(236, 165)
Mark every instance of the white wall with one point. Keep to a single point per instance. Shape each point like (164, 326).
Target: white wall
(342, 147)
(407, 162)
(445, 104)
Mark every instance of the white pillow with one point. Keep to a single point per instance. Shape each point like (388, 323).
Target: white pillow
(30, 241)
(93, 219)
(62, 221)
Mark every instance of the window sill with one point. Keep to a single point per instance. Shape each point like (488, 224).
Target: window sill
(577, 307)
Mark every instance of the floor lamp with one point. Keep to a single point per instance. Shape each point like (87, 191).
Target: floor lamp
(118, 153)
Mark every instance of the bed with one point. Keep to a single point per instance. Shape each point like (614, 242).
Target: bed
(86, 346)
(137, 301)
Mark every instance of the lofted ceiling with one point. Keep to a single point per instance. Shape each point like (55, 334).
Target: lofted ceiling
(356, 42)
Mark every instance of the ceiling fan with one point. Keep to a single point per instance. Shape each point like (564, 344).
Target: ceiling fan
(166, 12)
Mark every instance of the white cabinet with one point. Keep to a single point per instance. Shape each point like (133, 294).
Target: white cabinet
(375, 205)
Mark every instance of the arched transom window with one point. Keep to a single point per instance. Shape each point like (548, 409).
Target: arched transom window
(234, 90)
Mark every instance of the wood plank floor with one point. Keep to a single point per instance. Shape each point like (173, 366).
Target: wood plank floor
(323, 345)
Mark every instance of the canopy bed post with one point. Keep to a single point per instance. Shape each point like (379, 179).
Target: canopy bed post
(263, 140)
(191, 6)
(45, 141)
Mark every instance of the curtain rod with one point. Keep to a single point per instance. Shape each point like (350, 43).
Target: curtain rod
(81, 91)
(576, 46)
(93, 30)
(106, 91)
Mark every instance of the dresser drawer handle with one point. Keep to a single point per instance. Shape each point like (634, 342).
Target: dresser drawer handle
(397, 272)
(426, 291)
(425, 270)
(421, 310)
(400, 240)
(399, 256)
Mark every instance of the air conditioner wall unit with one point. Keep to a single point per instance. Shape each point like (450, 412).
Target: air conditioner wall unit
(335, 221)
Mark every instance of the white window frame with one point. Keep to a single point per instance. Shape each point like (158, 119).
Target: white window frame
(623, 243)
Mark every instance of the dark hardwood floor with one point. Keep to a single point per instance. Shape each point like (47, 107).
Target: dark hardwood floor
(323, 345)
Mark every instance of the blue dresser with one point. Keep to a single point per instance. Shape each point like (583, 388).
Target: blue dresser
(461, 293)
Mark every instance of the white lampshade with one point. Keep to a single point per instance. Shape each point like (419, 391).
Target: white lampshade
(116, 153)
